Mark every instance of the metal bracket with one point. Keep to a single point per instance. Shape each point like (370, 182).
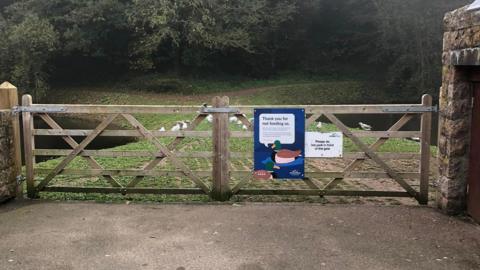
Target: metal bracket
(38, 109)
(410, 109)
(219, 110)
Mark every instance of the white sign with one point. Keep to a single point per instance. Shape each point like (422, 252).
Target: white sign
(273, 127)
(326, 145)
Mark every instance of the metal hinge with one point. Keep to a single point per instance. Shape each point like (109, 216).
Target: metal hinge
(38, 109)
(410, 109)
(219, 110)
(20, 179)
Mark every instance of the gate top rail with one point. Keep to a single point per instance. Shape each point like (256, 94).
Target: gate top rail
(173, 109)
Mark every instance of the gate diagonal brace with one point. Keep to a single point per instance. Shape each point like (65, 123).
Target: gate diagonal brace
(379, 142)
(152, 164)
(72, 143)
(179, 164)
(372, 155)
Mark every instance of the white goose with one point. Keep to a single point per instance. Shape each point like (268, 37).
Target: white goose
(210, 118)
(233, 119)
(365, 126)
(177, 127)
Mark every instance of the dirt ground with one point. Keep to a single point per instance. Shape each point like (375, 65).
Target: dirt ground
(78, 235)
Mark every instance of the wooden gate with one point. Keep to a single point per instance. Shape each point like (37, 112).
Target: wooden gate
(232, 170)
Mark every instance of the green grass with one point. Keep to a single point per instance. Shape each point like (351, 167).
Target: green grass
(152, 89)
(161, 89)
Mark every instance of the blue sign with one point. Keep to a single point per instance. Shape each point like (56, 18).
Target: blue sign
(279, 144)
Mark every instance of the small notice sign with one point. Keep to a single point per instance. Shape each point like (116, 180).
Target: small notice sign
(328, 145)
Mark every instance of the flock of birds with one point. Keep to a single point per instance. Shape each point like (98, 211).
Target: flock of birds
(183, 125)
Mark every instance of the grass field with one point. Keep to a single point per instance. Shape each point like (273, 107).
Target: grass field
(166, 90)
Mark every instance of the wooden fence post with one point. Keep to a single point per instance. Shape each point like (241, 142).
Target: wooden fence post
(221, 154)
(28, 146)
(8, 100)
(426, 131)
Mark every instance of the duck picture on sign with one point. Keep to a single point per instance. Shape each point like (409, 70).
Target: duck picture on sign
(279, 144)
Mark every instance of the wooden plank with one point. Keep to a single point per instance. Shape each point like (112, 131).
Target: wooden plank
(393, 174)
(168, 109)
(310, 183)
(124, 191)
(122, 133)
(113, 153)
(205, 134)
(339, 109)
(203, 173)
(311, 119)
(175, 161)
(124, 172)
(72, 143)
(29, 145)
(114, 109)
(386, 134)
(245, 121)
(8, 100)
(426, 135)
(104, 124)
(152, 164)
(221, 157)
(313, 192)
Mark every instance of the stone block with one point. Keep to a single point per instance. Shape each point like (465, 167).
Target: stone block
(456, 109)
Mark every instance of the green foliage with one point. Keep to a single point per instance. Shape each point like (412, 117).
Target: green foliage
(25, 51)
(397, 41)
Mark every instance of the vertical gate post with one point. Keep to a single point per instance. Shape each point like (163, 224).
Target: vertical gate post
(8, 100)
(221, 153)
(426, 131)
(29, 145)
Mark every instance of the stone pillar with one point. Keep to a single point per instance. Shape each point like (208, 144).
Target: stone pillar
(461, 53)
(8, 170)
(10, 156)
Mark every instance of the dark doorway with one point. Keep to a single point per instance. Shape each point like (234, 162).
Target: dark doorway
(473, 201)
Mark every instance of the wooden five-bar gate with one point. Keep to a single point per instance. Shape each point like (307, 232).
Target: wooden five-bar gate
(217, 182)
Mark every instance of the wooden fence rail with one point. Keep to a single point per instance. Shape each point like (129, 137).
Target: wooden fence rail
(220, 186)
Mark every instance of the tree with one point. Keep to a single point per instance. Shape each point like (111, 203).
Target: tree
(186, 25)
(25, 52)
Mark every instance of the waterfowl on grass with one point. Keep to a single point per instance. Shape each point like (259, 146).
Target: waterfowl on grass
(365, 126)
(210, 118)
(233, 119)
(177, 127)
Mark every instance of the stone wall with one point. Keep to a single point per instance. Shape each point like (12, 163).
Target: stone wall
(8, 173)
(461, 53)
